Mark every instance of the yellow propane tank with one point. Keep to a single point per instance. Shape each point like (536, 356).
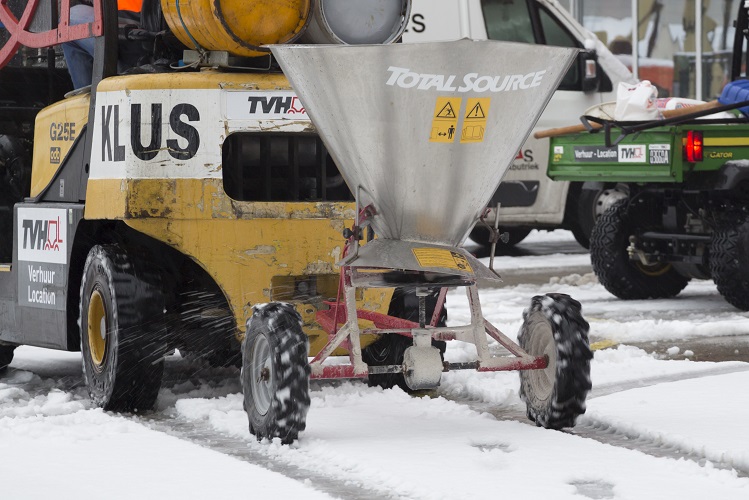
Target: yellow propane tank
(239, 27)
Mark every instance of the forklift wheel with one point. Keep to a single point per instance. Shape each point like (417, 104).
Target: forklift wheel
(122, 331)
(275, 373)
(553, 326)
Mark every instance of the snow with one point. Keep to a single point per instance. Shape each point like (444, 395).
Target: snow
(467, 439)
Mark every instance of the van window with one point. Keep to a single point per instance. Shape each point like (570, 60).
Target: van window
(508, 21)
(527, 22)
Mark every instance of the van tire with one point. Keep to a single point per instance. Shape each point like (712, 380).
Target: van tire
(593, 200)
(123, 329)
(480, 235)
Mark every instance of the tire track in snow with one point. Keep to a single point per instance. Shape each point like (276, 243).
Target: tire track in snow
(180, 380)
(203, 435)
(603, 432)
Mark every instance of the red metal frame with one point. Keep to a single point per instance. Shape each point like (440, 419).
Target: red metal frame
(19, 34)
(331, 319)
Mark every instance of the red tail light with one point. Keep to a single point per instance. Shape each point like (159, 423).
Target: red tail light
(693, 146)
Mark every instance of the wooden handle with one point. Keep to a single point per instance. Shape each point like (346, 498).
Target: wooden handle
(571, 129)
(669, 113)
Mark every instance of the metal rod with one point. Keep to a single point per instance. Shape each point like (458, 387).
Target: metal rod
(635, 36)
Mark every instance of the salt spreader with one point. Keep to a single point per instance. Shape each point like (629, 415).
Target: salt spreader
(422, 134)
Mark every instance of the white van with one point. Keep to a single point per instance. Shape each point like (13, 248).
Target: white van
(528, 198)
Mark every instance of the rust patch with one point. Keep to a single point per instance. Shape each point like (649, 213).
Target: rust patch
(318, 267)
(260, 250)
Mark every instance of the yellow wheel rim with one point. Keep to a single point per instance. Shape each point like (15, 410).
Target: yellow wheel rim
(97, 328)
(654, 270)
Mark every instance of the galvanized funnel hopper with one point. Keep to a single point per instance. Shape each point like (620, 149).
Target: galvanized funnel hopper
(423, 132)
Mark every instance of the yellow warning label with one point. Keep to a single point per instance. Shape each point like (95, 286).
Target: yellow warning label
(437, 257)
(445, 121)
(474, 123)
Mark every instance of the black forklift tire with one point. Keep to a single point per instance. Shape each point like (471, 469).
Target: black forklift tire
(553, 326)
(480, 235)
(625, 278)
(6, 356)
(390, 348)
(729, 264)
(275, 373)
(123, 332)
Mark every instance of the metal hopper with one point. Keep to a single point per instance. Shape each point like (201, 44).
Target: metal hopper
(423, 133)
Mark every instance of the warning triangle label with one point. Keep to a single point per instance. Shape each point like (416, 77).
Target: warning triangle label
(447, 111)
(476, 112)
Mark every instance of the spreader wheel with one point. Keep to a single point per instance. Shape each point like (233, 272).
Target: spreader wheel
(123, 329)
(553, 326)
(275, 373)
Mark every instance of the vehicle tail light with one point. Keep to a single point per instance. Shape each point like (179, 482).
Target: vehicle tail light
(693, 146)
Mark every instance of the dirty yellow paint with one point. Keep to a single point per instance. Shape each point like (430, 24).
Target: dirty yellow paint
(56, 129)
(243, 246)
(202, 80)
(232, 25)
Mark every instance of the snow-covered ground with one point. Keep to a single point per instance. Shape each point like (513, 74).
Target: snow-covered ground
(469, 439)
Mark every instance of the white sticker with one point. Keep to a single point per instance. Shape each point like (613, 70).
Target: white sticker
(278, 105)
(558, 150)
(42, 235)
(632, 153)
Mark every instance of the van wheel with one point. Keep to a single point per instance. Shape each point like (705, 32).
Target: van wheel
(480, 235)
(621, 276)
(6, 356)
(591, 204)
(275, 373)
(554, 326)
(122, 329)
(729, 264)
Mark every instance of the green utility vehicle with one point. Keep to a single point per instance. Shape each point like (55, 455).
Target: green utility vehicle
(684, 212)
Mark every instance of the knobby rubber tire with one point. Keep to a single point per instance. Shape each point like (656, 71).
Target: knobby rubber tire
(555, 396)
(276, 397)
(128, 374)
(625, 278)
(729, 263)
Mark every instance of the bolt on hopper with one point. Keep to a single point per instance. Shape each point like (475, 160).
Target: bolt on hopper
(423, 134)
